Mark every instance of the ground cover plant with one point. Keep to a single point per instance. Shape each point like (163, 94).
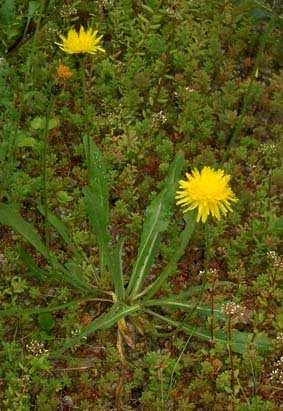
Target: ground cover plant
(111, 296)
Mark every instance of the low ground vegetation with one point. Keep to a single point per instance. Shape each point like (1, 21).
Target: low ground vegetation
(88, 143)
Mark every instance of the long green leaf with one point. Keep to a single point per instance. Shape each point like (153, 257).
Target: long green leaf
(34, 270)
(97, 199)
(157, 219)
(21, 311)
(240, 340)
(191, 290)
(99, 225)
(57, 224)
(97, 175)
(105, 321)
(62, 230)
(171, 267)
(183, 305)
(117, 271)
(10, 217)
(74, 272)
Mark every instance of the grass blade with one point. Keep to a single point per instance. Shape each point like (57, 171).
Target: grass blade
(157, 219)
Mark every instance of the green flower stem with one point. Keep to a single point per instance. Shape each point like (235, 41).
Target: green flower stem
(229, 346)
(37, 17)
(172, 379)
(44, 167)
(212, 319)
(83, 66)
(83, 76)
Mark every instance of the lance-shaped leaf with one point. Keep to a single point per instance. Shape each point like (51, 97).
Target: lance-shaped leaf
(105, 321)
(157, 218)
(10, 217)
(117, 270)
(240, 341)
(171, 267)
(61, 229)
(34, 271)
(183, 305)
(97, 199)
(98, 221)
(22, 311)
(58, 224)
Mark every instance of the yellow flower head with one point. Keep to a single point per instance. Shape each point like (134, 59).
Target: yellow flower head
(208, 190)
(63, 72)
(84, 41)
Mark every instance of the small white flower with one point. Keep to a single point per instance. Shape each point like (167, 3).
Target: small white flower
(36, 348)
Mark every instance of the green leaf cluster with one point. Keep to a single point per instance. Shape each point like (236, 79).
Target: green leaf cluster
(132, 299)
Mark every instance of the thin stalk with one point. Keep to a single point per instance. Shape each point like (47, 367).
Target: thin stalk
(229, 346)
(83, 64)
(44, 171)
(31, 60)
(84, 79)
(205, 230)
(120, 390)
(254, 378)
(120, 347)
(176, 364)
(7, 159)
(160, 371)
(84, 91)
(243, 391)
(212, 319)
(10, 154)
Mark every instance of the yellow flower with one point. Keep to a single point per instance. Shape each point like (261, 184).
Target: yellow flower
(84, 41)
(208, 190)
(63, 72)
